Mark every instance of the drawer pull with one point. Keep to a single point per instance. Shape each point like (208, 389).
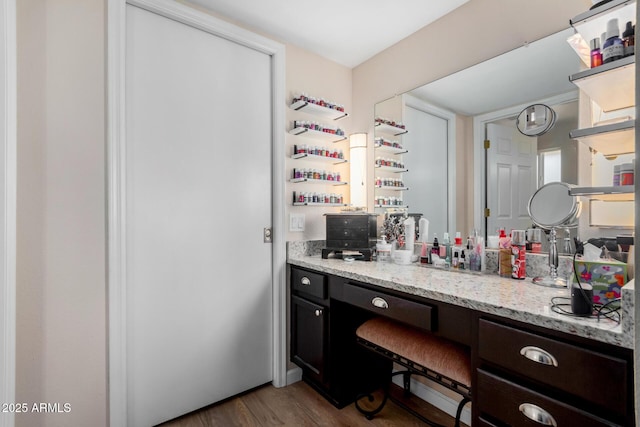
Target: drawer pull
(539, 355)
(318, 313)
(537, 414)
(305, 281)
(379, 302)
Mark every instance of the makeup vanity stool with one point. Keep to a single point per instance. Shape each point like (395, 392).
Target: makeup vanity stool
(421, 353)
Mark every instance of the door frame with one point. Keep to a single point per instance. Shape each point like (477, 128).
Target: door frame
(479, 135)
(116, 183)
(8, 182)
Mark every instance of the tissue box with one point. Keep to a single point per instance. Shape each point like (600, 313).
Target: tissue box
(607, 278)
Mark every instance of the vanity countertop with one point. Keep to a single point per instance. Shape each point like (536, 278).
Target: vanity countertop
(513, 299)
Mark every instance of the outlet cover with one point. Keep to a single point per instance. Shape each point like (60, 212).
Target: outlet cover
(296, 222)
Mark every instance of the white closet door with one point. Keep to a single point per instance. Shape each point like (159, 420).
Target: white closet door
(198, 156)
(427, 161)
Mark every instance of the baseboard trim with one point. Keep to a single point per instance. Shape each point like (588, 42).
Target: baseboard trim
(294, 375)
(434, 397)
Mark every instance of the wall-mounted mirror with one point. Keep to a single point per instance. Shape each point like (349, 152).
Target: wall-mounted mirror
(457, 180)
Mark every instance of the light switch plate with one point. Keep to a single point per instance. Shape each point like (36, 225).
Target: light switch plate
(296, 222)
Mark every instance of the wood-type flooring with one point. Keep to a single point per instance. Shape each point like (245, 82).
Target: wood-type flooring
(299, 405)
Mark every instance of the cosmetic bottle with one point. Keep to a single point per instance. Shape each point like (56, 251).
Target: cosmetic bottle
(446, 247)
(518, 254)
(462, 262)
(455, 257)
(613, 48)
(435, 249)
(596, 55)
(629, 39)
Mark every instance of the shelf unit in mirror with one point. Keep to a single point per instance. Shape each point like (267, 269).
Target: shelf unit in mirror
(609, 87)
(383, 146)
(392, 188)
(386, 129)
(598, 83)
(392, 169)
(610, 140)
(613, 193)
(317, 181)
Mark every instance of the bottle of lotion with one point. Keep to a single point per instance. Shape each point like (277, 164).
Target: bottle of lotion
(613, 48)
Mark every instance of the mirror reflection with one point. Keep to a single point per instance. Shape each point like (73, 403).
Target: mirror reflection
(452, 179)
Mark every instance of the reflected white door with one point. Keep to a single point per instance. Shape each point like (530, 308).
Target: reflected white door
(511, 178)
(427, 161)
(198, 171)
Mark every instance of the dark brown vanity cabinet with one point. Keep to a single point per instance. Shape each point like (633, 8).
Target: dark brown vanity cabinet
(524, 376)
(309, 323)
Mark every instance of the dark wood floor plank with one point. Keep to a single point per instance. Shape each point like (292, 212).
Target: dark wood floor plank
(297, 405)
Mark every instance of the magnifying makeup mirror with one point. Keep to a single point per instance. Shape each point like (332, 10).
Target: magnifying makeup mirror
(552, 207)
(536, 120)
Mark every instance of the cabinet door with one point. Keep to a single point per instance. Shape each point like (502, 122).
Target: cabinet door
(309, 337)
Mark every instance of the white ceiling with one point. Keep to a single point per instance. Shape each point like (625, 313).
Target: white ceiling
(529, 73)
(345, 31)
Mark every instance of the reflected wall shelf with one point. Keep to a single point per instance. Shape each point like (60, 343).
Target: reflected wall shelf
(391, 206)
(392, 169)
(391, 188)
(389, 130)
(314, 134)
(612, 139)
(611, 86)
(317, 181)
(318, 110)
(617, 193)
(392, 150)
(328, 159)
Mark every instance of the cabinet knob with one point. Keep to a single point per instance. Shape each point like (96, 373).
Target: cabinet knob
(537, 414)
(318, 313)
(305, 281)
(379, 302)
(539, 355)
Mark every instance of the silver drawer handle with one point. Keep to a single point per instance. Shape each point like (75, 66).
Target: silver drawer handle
(305, 281)
(537, 414)
(379, 302)
(539, 355)
(318, 313)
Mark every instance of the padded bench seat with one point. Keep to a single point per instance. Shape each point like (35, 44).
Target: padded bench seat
(422, 353)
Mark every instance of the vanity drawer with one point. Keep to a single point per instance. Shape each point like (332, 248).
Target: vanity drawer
(348, 233)
(593, 376)
(410, 312)
(348, 221)
(348, 244)
(508, 402)
(310, 283)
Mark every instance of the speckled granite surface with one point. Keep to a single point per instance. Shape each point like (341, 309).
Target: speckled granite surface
(514, 299)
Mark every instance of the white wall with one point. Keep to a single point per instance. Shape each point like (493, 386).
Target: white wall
(61, 304)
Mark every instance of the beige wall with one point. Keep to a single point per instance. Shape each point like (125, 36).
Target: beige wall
(61, 283)
(311, 74)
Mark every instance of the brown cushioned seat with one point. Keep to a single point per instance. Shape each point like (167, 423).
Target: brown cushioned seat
(438, 354)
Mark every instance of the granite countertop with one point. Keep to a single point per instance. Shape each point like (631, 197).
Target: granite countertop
(513, 299)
